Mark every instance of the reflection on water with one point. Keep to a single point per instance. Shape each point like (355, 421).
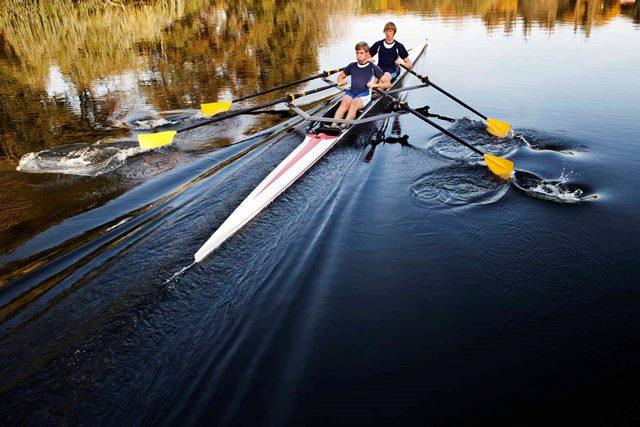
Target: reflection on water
(57, 68)
(169, 54)
(391, 286)
(80, 72)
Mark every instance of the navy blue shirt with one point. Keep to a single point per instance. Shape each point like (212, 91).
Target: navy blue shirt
(361, 75)
(387, 55)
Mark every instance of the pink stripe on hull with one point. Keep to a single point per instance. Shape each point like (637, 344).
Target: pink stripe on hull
(310, 146)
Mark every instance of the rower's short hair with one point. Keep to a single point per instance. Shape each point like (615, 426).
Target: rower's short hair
(362, 45)
(390, 25)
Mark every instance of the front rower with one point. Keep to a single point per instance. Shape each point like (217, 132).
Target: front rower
(364, 76)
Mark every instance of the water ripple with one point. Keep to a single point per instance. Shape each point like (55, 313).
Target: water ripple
(547, 141)
(464, 185)
(473, 132)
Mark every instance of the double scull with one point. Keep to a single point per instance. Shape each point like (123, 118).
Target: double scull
(318, 141)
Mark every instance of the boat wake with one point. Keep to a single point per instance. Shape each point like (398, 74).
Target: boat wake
(178, 274)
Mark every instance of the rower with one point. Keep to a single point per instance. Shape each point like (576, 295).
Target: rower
(390, 52)
(364, 76)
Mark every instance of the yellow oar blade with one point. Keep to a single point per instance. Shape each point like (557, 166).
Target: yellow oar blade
(154, 140)
(213, 108)
(498, 128)
(499, 166)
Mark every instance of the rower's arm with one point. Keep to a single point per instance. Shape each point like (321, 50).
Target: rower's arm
(383, 82)
(406, 62)
(381, 79)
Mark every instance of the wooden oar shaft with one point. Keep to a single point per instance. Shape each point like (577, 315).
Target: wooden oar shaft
(286, 85)
(236, 113)
(425, 79)
(422, 117)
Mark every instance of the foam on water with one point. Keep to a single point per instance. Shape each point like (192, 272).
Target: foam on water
(80, 159)
(87, 159)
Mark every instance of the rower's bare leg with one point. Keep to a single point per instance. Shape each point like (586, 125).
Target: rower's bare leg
(355, 106)
(344, 107)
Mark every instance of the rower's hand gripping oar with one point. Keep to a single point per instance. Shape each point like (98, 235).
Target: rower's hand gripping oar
(499, 166)
(158, 139)
(495, 127)
(213, 108)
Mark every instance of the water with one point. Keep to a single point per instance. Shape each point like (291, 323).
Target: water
(398, 282)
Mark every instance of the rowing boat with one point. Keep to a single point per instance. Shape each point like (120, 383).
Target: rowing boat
(316, 144)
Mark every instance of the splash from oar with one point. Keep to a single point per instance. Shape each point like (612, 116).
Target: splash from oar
(80, 159)
(553, 190)
(498, 165)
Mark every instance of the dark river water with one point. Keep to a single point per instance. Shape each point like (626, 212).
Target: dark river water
(398, 281)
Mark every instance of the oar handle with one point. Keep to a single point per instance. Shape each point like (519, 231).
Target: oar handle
(282, 86)
(426, 80)
(223, 116)
(293, 96)
(405, 106)
(423, 79)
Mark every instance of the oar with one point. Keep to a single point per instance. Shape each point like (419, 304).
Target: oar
(497, 165)
(158, 139)
(213, 108)
(495, 127)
